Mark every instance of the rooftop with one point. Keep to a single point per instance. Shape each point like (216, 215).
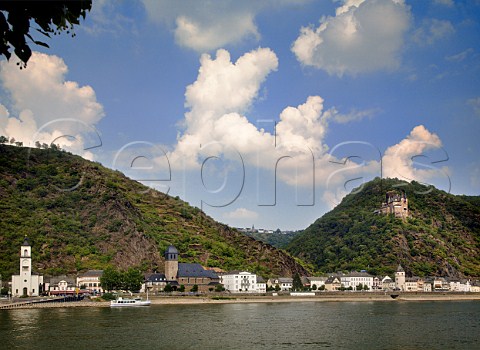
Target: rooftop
(171, 250)
(156, 277)
(92, 273)
(26, 242)
(194, 270)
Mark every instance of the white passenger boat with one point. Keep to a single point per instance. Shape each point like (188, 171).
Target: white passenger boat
(124, 302)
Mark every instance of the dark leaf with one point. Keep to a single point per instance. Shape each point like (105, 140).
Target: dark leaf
(50, 17)
(41, 44)
(43, 32)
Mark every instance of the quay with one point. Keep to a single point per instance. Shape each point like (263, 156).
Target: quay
(50, 302)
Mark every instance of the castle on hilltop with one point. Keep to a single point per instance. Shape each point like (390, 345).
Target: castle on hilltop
(396, 204)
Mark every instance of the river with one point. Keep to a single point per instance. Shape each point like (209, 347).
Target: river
(295, 325)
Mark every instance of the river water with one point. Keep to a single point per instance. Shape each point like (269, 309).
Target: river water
(296, 325)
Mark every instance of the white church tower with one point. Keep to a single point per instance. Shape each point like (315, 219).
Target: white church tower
(26, 283)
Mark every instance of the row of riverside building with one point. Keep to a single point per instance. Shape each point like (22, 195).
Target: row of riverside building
(366, 282)
(188, 275)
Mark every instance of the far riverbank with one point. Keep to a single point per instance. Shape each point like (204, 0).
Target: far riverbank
(324, 297)
(232, 299)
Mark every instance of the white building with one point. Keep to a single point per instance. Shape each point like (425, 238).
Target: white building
(154, 282)
(284, 283)
(261, 285)
(317, 282)
(354, 279)
(412, 284)
(387, 283)
(90, 281)
(459, 285)
(440, 284)
(61, 285)
(475, 287)
(26, 283)
(240, 282)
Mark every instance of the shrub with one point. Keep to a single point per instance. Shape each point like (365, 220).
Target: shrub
(108, 296)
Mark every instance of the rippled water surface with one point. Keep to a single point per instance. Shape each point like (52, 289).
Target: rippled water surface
(298, 325)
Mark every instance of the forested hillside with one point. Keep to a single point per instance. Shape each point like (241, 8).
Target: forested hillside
(441, 236)
(80, 215)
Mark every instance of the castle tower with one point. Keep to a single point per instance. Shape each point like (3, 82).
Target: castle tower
(400, 278)
(405, 212)
(171, 263)
(396, 204)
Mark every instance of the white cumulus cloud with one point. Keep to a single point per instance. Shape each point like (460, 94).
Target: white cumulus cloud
(222, 92)
(220, 96)
(203, 36)
(363, 36)
(208, 25)
(399, 160)
(44, 106)
(216, 123)
(204, 26)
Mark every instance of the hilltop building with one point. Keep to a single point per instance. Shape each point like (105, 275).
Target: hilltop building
(396, 204)
(26, 283)
(187, 274)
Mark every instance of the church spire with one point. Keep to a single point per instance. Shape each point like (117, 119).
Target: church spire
(26, 242)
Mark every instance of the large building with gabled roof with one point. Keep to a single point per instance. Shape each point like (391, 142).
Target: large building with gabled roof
(187, 274)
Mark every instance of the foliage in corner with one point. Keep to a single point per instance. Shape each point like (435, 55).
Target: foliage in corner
(51, 17)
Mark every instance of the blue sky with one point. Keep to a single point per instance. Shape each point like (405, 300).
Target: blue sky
(222, 98)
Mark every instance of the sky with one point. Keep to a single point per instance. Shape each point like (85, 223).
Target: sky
(263, 113)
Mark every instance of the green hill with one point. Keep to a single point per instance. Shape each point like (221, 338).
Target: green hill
(278, 240)
(440, 237)
(80, 215)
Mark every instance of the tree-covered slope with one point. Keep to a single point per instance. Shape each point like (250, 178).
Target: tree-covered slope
(278, 240)
(441, 236)
(80, 215)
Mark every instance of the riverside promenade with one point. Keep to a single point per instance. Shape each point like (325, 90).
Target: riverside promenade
(242, 298)
(69, 301)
